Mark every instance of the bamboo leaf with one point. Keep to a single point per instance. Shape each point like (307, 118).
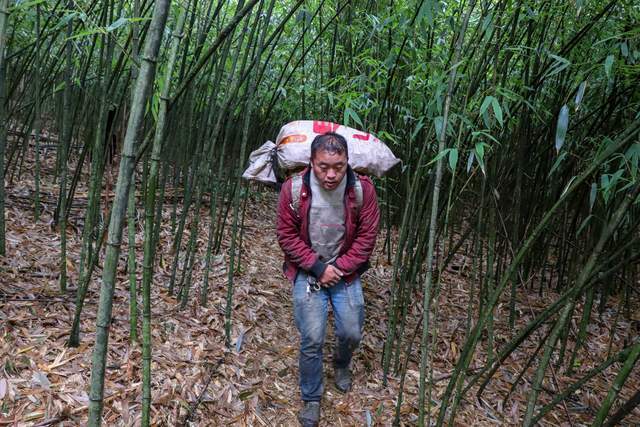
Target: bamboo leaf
(117, 24)
(453, 158)
(624, 49)
(239, 341)
(350, 114)
(633, 156)
(485, 104)
(580, 94)
(428, 12)
(485, 134)
(592, 195)
(439, 156)
(379, 410)
(418, 128)
(608, 64)
(85, 33)
(557, 163)
(566, 188)
(497, 110)
(559, 65)
(583, 225)
(561, 128)
(470, 161)
(479, 148)
(605, 185)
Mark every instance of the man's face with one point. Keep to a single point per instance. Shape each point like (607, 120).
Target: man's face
(329, 168)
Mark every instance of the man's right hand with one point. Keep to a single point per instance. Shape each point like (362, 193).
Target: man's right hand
(331, 276)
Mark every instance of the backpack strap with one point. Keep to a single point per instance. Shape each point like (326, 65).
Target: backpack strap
(359, 194)
(296, 188)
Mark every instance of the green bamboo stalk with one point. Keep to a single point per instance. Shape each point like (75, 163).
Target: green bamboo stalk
(192, 181)
(83, 286)
(160, 202)
(532, 357)
(426, 303)
(619, 381)
(582, 332)
(65, 143)
(131, 205)
(183, 293)
(89, 250)
(26, 128)
(393, 303)
(549, 347)
(4, 15)
(142, 89)
(490, 276)
(174, 206)
(248, 109)
(469, 348)
(150, 202)
(131, 265)
(580, 383)
(624, 410)
(413, 269)
(607, 232)
(38, 121)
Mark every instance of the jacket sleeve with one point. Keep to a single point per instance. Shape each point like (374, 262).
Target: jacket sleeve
(366, 231)
(288, 231)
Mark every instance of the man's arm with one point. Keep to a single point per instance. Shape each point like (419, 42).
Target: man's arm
(288, 231)
(365, 239)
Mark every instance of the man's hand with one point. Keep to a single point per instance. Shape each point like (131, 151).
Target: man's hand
(330, 277)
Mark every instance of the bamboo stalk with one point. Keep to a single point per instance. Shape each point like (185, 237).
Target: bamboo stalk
(150, 202)
(142, 88)
(4, 14)
(433, 221)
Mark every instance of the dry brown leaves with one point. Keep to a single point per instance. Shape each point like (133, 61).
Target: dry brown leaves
(43, 382)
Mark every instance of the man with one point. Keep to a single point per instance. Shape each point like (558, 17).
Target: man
(327, 225)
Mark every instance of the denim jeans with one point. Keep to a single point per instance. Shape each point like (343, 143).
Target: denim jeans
(310, 313)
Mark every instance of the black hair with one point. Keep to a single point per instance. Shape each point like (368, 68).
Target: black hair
(330, 142)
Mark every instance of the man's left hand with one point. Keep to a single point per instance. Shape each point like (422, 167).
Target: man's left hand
(331, 276)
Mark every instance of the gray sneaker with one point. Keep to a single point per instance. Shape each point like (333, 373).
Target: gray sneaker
(309, 415)
(342, 378)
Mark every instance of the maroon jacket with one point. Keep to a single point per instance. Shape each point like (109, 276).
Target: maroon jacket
(361, 229)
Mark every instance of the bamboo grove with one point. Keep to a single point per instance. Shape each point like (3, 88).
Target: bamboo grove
(517, 121)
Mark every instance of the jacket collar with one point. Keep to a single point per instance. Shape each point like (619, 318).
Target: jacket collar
(351, 176)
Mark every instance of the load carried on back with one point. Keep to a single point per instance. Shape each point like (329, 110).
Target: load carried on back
(367, 154)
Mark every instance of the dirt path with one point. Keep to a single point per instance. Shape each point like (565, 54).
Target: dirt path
(253, 383)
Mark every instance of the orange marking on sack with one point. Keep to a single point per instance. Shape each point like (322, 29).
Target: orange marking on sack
(293, 138)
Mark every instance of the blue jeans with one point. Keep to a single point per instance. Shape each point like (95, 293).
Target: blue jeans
(310, 313)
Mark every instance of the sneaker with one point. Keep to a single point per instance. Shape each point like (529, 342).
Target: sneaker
(342, 378)
(309, 415)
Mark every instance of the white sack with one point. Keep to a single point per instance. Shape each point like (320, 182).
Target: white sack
(260, 166)
(367, 154)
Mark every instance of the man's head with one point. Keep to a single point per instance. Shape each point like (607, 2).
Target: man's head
(329, 157)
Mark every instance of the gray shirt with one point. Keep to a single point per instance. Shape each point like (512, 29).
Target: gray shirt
(326, 219)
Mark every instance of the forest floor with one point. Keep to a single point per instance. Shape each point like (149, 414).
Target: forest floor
(44, 382)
